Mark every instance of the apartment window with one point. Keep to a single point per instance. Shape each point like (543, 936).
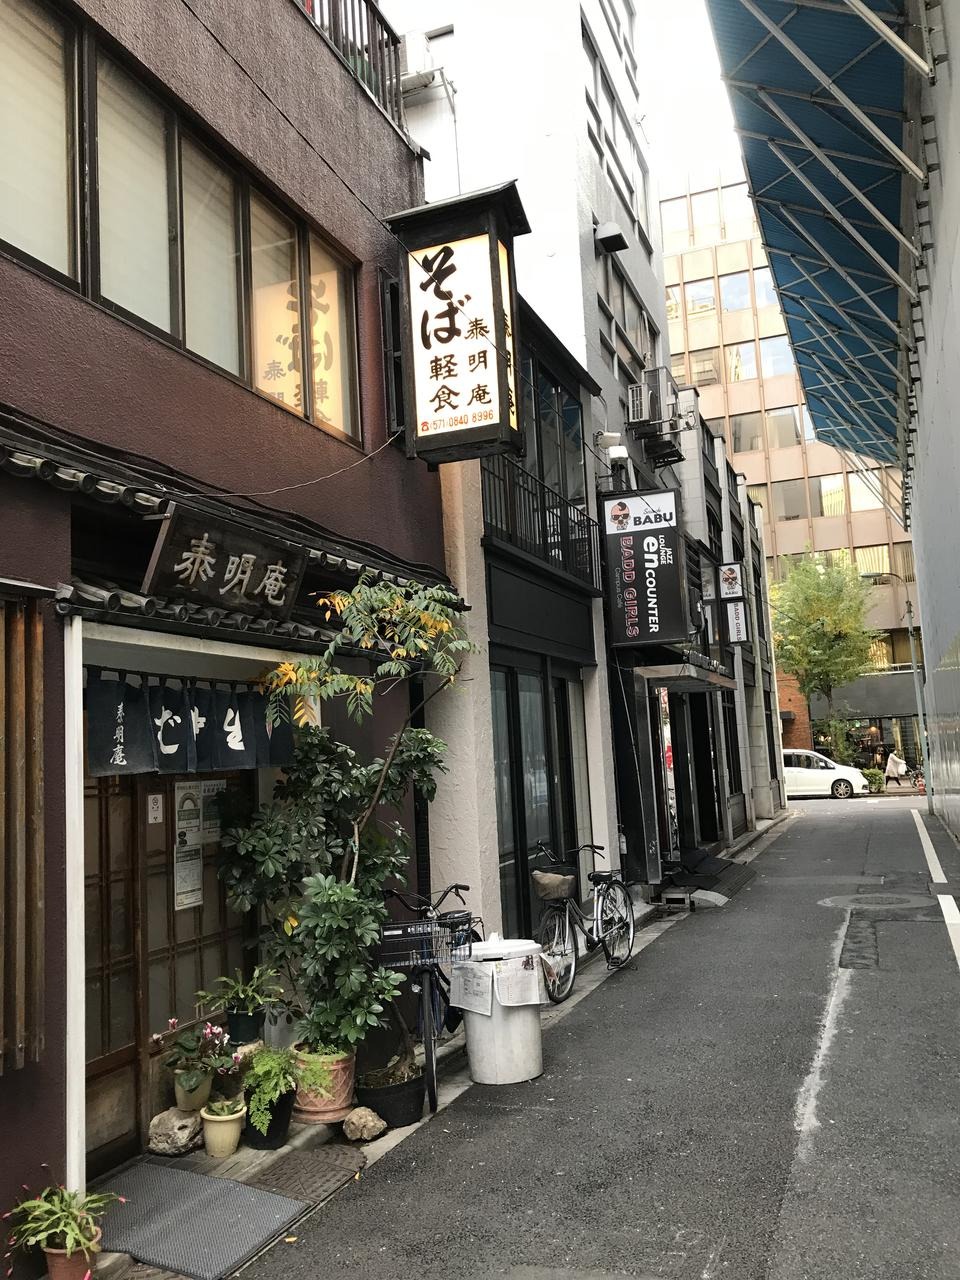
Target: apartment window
(678, 367)
(757, 493)
(333, 357)
(715, 428)
(903, 561)
(862, 496)
(706, 217)
(874, 559)
(789, 499)
(747, 432)
(739, 222)
(763, 288)
(137, 231)
(783, 427)
(211, 259)
(881, 651)
(673, 302)
(675, 225)
(553, 424)
(775, 357)
(735, 291)
(37, 148)
(741, 361)
(836, 558)
(589, 67)
(827, 496)
(701, 297)
(705, 366)
(277, 357)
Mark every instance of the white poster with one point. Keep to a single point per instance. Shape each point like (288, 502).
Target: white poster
(471, 986)
(188, 851)
(731, 581)
(738, 626)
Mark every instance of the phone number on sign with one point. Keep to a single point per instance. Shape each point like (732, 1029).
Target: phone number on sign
(457, 420)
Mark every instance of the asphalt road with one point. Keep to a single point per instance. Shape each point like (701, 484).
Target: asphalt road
(770, 1092)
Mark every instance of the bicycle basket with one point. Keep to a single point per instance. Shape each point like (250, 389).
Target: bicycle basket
(551, 885)
(421, 944)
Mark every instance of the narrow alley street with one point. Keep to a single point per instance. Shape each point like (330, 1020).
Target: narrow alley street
(770, 1092)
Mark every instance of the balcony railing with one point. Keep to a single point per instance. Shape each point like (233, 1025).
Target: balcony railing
(519, 509)
(368, 45)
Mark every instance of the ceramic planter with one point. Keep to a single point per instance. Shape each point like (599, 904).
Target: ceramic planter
(243, 1027)
(397, 1104)
(278, 1128)
(74, 1267)
(337, 1103)
(221, 1134)
(192, 1099)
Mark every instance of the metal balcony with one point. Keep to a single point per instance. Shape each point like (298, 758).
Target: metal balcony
(520, 510)
(368, 45)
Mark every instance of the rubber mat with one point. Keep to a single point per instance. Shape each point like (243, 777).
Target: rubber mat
(311, 1175)
(192, 1224)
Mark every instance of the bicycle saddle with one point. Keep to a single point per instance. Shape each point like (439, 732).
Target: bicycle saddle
(600, 877)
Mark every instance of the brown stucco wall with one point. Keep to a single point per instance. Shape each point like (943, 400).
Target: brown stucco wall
(35, 546)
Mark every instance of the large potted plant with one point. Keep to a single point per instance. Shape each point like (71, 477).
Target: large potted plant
(271, 1080)
(222, 1126)
(243, 1000)
(66, 1226)
(195, 1056)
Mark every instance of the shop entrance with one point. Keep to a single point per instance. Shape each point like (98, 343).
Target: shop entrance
(157, 930)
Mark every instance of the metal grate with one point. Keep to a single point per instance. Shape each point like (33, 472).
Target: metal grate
(311, 1175)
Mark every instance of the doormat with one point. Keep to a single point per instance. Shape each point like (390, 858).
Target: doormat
(192, 1224)
(311, 1175)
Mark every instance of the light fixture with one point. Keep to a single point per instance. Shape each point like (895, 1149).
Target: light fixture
(607, 439)
(609, 238)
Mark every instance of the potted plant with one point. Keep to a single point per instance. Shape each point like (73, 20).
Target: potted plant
(222, 1124)
(395, 1092)
(65, 1226)
(195, 1057)
(271, 1081)
(243, 1001)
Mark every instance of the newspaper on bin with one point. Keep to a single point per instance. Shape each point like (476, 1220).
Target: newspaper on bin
(519, 981)
(471, 986)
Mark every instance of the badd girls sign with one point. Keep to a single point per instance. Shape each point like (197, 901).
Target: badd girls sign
(645, 568)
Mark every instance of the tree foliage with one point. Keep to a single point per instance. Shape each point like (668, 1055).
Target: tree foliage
(819, 625)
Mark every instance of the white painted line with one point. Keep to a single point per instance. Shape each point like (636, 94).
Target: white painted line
(933, 862)
(805, 1119)
(951, 912)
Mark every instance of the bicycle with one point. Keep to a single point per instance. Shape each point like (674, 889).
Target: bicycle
(425, 947)
(613, 925)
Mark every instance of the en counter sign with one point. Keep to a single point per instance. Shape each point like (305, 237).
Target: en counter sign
(645, 568)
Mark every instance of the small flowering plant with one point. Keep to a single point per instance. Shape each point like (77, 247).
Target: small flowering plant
(199, 1052)
(56, 1218)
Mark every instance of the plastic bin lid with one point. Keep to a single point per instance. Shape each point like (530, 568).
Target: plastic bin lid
(497, 948)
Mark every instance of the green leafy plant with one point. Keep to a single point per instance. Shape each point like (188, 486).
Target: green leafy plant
(56, 1218)
(237, 995)
(198, 1053)
(225, 1106)
(271, 1073)
(875, 778)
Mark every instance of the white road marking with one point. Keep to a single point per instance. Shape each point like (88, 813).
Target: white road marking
(933, 862)
(805, 1119)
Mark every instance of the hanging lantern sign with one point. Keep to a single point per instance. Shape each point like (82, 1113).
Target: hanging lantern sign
(458, 325)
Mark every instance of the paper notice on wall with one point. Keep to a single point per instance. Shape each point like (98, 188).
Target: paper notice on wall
(212, 790)
(471, 986)
(519, 981)
(188, 851)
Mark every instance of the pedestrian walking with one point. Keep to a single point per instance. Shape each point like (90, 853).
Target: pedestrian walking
(896, 768)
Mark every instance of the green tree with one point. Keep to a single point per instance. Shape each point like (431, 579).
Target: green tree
(820, 633)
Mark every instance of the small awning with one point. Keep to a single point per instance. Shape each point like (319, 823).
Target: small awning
(684, 677)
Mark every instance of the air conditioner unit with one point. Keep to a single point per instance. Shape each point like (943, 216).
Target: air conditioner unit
(638, 403)
(416, 56)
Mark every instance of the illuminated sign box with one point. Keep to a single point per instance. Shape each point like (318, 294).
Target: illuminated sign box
(646, 592)
(459, 344)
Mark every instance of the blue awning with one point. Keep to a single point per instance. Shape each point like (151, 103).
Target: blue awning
(818, 91)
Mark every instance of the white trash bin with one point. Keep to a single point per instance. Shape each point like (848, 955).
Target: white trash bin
(500, 990)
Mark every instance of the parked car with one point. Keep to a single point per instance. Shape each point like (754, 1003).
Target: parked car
(808, 773)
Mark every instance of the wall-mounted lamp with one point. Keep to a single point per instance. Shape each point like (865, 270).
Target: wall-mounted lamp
(609, 238)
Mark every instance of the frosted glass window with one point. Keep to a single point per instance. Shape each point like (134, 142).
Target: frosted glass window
(277, 361)
(334, 341)
(134, 217)
(36, 136)
(210, 259)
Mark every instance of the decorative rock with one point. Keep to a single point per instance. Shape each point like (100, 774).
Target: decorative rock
(362, 1124)
(174, 1132)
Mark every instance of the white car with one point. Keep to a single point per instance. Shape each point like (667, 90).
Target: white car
(807, 773)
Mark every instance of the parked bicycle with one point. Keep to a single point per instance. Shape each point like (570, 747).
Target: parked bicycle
(426, 948)
(613, 925)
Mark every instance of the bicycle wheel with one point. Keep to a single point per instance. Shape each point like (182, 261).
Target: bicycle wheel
(429, 1032)
(558, 942)
(617, 925)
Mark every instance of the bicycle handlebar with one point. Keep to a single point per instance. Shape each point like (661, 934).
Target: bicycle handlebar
(558, 859)
(417, 902)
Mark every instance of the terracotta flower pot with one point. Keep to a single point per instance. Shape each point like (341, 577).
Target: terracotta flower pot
(221, 1134)
(74, 1267)
(192, 1099)
(327, 1108)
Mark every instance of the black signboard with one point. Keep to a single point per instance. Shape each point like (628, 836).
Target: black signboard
(170, 722)
(225, 565)
(119, 733)
(645, 569)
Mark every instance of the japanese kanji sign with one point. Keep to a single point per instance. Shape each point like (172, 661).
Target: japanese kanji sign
(224, 565)
(459, 338)
(645, 571)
